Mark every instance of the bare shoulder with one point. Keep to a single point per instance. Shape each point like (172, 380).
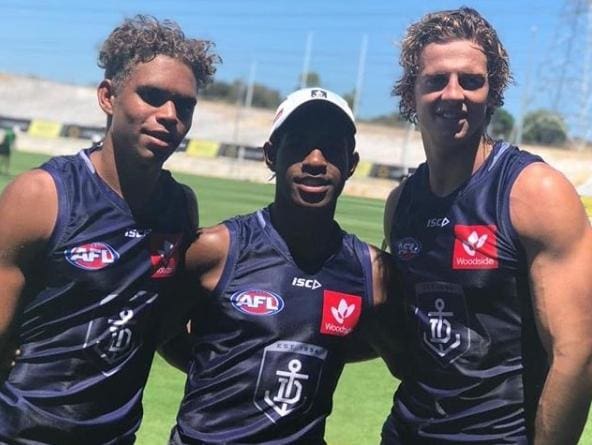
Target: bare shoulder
(209, 249)
(29, 206)
(545, 207)
(389, 209)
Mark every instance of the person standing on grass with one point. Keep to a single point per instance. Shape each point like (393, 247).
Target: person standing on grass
(6, 147)
(281, 290)
(88, 260)
(495, 251)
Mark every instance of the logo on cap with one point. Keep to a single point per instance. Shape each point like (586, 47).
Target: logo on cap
(318, 93)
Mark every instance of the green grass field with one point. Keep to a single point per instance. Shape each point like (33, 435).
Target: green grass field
(364, 393)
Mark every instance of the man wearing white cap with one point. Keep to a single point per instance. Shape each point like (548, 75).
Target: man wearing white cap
(282, 289)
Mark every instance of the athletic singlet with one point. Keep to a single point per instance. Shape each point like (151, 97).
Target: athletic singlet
(88, 335)
(469, 319)
(270, 341)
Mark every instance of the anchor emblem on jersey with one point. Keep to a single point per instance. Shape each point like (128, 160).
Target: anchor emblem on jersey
(442, 321)
(441, 330)
(289, 379)
(112, 339)
(289, 391)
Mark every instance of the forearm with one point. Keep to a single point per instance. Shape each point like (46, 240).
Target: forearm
(564, 403)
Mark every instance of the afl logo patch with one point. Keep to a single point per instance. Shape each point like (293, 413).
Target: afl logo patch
(257, 302)
(91, 256)
(408, 248)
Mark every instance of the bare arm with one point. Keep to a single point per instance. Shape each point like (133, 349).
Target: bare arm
(557, 237)
(380, 332)
(204, 264)
(28, 211)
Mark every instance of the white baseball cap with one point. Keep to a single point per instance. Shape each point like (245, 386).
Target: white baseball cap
(299, 98)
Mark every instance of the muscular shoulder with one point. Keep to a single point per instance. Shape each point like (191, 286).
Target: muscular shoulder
(207, 254)
(31, 200)
(29, 207)
(544, 206)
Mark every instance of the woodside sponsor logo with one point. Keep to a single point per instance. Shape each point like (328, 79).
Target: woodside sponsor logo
(475, 247)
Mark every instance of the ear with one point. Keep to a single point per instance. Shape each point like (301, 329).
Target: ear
(353, 161)
(269, 152)
(105, 95)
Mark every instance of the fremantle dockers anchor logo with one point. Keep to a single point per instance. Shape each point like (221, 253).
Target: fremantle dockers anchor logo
(441, 338)
(111, 340)
(288, 378)
(442, 320)
(290, 391)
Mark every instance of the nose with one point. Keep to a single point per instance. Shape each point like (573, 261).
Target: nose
(167, 112)
(453, 89)
(315, 161)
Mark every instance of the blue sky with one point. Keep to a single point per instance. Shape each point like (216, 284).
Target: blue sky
(58, 40)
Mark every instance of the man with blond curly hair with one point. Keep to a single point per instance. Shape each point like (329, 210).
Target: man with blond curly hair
(87, 261)
(495, 251)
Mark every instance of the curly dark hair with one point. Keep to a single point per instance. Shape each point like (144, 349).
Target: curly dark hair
(442, 27)
(141, 38)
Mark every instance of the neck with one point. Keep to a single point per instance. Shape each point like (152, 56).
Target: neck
(131, 181)
(450, 166)
(312, 235)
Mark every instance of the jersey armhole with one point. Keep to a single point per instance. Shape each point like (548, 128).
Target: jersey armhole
(231, 259)
(63, 199)
(363, 253)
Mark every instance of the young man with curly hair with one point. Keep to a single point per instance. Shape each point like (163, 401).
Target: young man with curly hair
(86, 262)
(495, 252)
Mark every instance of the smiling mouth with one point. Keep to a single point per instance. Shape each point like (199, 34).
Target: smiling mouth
(161, 139)
(312, 184)
(452, 115)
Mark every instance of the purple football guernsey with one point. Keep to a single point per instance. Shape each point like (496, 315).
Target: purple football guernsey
(270, 341)
(87, 337)
(477, 363)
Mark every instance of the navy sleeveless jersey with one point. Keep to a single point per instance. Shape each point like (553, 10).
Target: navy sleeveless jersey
(477, 363)
(87, 331)
(271, 341)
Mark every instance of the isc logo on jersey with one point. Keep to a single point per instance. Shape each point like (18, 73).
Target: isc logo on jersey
(257, 302)
(341, 312)
(91, 256)
(307, 283)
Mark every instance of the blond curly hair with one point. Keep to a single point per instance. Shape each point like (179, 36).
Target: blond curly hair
(441, 27)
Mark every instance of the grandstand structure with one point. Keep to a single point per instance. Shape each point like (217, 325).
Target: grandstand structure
(224, 140)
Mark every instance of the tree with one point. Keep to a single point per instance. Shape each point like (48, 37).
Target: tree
(312, 79)
(263, 96)
(349, 98)
(544, 127)
(501, 125)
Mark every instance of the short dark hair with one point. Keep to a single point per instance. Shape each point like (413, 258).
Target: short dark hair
(141, 38)
(442, 27)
